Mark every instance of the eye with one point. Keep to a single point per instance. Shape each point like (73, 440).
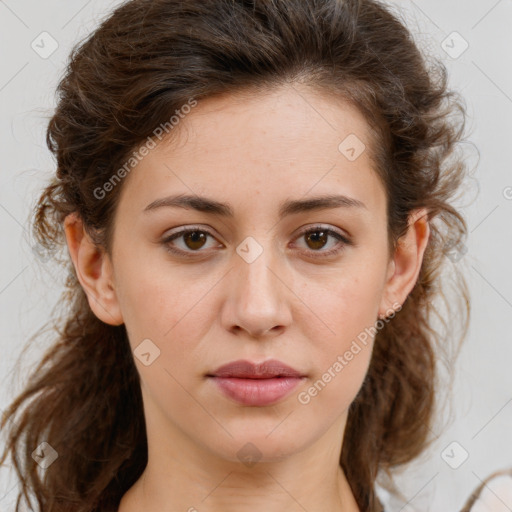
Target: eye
(193, 238)
(317, 237)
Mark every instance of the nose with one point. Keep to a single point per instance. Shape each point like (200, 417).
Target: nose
(258, 300)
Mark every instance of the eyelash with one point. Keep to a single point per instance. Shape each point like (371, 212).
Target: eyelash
(323, 254)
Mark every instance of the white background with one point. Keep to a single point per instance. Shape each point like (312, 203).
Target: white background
(482, 395)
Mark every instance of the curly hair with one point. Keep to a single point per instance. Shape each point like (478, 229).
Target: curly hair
(145, 61)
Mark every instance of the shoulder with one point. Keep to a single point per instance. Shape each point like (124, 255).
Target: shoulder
(494, 494)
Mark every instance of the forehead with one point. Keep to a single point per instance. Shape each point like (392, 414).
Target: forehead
(289, 141)
(282, 123)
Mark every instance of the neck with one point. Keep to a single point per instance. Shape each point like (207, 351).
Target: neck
(234, 475)
(311, 480)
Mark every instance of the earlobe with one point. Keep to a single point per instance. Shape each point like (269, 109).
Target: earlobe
(94, 271)
(404, 268)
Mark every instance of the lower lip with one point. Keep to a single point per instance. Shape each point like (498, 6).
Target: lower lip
(256, 391)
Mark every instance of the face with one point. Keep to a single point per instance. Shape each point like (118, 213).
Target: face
(268, 275)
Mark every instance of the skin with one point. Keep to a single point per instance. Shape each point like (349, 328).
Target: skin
(253, 152)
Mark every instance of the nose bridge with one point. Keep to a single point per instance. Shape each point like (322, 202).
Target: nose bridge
(257, 269)
(258, 290)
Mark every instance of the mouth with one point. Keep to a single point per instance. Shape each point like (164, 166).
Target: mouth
(256, 384)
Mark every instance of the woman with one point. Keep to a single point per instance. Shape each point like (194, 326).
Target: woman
(255, 201)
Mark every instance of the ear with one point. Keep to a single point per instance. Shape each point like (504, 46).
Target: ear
(405, 266)
(94, 271)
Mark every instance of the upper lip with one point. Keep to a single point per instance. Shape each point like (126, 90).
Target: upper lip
(249, 370)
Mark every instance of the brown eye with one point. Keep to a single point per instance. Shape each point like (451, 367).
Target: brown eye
(317, 238)
(193, 241)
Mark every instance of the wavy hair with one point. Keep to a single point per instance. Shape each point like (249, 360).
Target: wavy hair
(142, 63)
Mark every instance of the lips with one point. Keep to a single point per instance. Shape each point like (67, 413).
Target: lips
(248, 370)
(255, 384)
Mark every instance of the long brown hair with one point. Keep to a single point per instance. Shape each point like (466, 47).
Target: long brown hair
(141, 65)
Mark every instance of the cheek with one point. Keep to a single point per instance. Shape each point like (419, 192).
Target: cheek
(170, 313)
(160, 303)
(343, 330)
(151, 301)
(331, 392)
(342, 356)
(345, 302)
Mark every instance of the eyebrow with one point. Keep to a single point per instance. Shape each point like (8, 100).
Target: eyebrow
(288, 207)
